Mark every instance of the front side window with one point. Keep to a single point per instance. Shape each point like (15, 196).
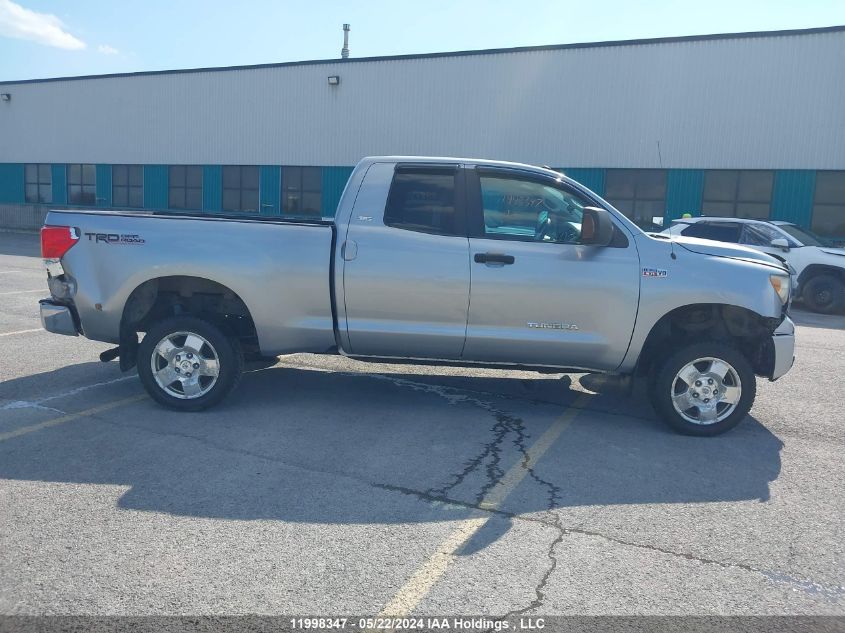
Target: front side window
(81, 184)
(718, 231)
(302, 190)
(127, 186)
(240, 188)
(760, 235)
(638, 193)
(185, 187)
(738, 193)
(38, 183)
(526, 210)
(829, 204)
(422, 200)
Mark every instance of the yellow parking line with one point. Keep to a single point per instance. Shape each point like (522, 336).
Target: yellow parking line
(23, 292)
(22, 332)
(70, 417)
(421, 582)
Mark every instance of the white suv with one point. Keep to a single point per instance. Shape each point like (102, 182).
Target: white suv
(819, 269)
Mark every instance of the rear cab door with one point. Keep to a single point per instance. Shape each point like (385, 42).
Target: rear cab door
(405, 263)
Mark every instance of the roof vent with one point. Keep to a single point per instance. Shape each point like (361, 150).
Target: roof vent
(344, 52)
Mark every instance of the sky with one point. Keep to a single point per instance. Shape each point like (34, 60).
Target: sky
(42, 38)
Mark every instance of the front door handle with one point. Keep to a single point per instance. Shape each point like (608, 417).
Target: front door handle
(494, 258)
(349, 250)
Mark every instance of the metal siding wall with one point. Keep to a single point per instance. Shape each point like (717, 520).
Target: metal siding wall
(334, 180)
(792, 196)
(23, 217)
(684, 190)
(104, 183)
(156, 178)
(59, 174)
(212, 188)
(591, 177)
(11, 182)
(270, 189)
(680, 109)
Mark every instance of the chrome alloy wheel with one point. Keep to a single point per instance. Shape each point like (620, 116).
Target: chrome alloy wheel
(185, 365)
(706, 391)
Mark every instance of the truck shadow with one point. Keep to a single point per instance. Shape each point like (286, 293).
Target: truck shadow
(328, 447)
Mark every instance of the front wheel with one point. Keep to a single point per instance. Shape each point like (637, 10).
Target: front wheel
(824, 294)
(704, 389)
(188, 364)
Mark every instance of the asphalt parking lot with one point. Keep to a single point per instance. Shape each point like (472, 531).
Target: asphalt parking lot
(327, 486)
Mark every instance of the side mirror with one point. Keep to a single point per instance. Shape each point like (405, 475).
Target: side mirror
(596, 227)
(780, 243)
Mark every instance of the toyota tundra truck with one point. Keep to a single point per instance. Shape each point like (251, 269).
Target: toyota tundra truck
(427, 260)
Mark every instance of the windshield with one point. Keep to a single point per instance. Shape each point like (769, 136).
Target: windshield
(804, 237)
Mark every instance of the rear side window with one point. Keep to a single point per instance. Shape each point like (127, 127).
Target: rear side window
(720, 232)
(422, 200)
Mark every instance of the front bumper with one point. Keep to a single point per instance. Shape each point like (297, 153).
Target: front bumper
(783, 341)
(57, 318)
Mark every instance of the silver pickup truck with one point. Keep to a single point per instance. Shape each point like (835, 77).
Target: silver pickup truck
(428, 260)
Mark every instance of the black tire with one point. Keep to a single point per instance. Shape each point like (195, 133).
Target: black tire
(824, 294)
(229, 360)
(665, 382)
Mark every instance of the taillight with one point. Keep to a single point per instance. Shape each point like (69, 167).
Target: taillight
(57, 240)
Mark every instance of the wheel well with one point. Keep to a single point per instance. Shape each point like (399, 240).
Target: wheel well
(163, 297)
(747, 331)
(814, 270)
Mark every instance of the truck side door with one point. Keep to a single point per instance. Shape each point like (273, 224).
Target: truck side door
(406, 263)
(539, 297)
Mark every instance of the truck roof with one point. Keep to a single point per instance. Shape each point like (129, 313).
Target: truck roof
(713, 218)
(460, 161)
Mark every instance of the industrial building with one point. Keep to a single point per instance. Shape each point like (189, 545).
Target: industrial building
(749, 124)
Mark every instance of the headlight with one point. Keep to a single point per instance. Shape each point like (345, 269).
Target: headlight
(781, 285)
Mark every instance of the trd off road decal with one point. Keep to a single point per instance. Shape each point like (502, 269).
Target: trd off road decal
(655, 272)
(115, 238)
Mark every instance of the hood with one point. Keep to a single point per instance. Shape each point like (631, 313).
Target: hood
(724, 249)
(832, 251)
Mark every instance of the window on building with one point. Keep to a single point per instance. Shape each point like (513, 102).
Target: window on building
(38, 183)
(738, 193)
(638, 193)
(127, 186)
(185, 188)
(240, 188)
(81, 184)
(526, 210)
(422, 200)
(829, 204)
(302, 190)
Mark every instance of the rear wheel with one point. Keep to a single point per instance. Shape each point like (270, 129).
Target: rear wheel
(188, 364)
(704, 389)
(824, 293)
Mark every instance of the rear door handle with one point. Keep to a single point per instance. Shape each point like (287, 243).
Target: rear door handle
(493, 258)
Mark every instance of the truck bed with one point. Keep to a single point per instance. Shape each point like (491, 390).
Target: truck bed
(279, 267)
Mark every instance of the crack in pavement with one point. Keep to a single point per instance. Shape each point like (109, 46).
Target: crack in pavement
(507, 424)
(833, 593)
